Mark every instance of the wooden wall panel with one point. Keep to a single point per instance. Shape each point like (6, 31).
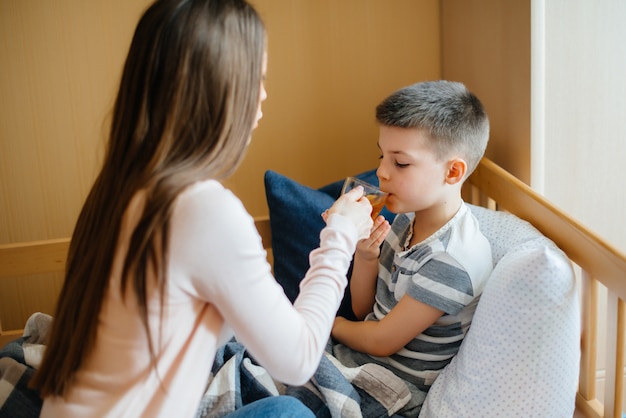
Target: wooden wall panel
(330, 63)
(486, 45)
(60, 66)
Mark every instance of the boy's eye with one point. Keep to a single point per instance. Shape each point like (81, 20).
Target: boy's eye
(396, 163)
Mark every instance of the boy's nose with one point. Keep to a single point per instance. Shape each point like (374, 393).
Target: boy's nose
(380, 173)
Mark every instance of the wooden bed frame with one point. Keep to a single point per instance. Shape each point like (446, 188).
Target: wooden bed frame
(490, 186)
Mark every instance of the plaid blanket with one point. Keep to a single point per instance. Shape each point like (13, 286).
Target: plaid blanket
(18, 362)
(334, 391)
(17, 400)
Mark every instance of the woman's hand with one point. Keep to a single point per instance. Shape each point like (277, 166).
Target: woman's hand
(356, 207)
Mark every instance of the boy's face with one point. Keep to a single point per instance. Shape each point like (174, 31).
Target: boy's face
(410, 171)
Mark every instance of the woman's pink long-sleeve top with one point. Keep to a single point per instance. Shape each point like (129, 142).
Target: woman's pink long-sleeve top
(219, 282)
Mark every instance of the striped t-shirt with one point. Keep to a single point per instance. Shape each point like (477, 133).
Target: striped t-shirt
(448, 271)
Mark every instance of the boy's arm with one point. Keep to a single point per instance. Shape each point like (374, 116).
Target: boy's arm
(407, 319)
(365, 269)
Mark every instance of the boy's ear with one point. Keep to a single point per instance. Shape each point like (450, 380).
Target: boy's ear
(457, 168)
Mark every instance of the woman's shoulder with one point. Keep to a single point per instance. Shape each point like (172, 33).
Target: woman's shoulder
(208, 195)
(210, 201)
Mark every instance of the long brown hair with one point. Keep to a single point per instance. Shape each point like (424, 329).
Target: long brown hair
(184, 112)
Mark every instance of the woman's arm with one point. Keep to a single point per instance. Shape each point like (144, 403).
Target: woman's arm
(215, 241)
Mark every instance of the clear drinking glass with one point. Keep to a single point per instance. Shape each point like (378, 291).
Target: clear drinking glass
(376, 196)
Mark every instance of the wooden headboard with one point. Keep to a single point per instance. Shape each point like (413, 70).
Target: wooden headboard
(491, 186)
(599, 263)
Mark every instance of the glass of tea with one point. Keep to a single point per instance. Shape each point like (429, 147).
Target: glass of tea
(376, 196)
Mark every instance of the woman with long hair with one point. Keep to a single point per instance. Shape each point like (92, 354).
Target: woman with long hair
(165, 264)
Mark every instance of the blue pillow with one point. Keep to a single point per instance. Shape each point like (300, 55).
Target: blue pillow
(296, 221)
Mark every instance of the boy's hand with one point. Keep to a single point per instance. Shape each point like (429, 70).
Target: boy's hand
(368, 249)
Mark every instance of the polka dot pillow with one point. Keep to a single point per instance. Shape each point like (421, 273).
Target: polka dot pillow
(521, 354)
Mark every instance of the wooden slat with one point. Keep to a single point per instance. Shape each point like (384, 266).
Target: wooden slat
(589, 338)
(619, 378)
(611, 372)
(25, 258)
(613, 399)
(7, 336)
(583, 246)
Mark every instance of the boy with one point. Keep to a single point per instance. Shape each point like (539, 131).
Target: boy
(415, 295)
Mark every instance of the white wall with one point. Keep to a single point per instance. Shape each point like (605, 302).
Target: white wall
(578, 118)
(581, 140)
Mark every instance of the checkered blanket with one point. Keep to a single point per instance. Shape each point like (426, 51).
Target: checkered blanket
(334, 391)
(236, 379)
(18, 361)
(16, 399)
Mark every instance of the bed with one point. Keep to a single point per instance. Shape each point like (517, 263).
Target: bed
(556, 280)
